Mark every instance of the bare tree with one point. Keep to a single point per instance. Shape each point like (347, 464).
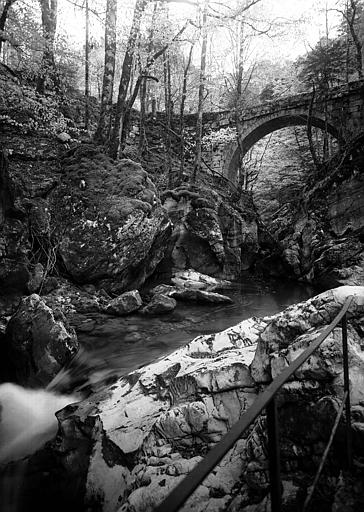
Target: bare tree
(182, 112)
(87, 65)
(168, 110)
(49, 25)
(3, 18)
(201, 95)
(313, 152)
(223, 13)
(352, 16)
(144, 75)
(125, 78)
(351, 13)
(242, 84)
(143, 88)
(102, 133)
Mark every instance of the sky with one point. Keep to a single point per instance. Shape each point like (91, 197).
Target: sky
(305, 24)
(303, 36)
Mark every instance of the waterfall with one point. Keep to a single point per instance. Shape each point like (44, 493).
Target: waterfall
(28, 418)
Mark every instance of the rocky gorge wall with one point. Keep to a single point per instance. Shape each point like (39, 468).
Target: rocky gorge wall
(321, 231)
(209, 234)
(300, 238)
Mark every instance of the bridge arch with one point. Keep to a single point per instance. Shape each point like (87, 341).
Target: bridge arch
(261, 128)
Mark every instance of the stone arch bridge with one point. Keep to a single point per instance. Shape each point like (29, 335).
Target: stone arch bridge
(344, 107)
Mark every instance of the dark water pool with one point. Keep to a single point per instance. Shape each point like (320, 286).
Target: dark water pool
(131, 342)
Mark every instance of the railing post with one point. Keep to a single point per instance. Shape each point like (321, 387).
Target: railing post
(349, 450)
(274, 455)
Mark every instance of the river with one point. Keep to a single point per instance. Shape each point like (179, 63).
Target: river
(134, 341)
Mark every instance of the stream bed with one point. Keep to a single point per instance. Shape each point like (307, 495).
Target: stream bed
(127, 343)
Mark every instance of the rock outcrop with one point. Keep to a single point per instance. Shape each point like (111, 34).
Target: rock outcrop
(321, 237)
(38, 343)
(209, 235)
(133, 443)
(192, 286)
(190, 279)
(29, 171)
(16, 268)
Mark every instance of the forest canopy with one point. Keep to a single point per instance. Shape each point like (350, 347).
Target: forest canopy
(100, 59)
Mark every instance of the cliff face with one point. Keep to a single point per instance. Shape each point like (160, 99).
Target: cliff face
(210, 234)
(29, 171)
(322, 235)
(123, 449)
(345, 206)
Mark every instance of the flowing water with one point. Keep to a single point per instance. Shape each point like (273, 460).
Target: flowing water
(136, 340)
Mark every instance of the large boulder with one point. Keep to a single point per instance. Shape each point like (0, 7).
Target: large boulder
(210, 235)
(131, 445)
(38, 343)
(192, 286)
(291, 331)
(113, 230)
(201, 296)
(197, 281)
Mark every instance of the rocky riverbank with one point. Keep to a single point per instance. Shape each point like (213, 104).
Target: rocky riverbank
(66, 209)
(125, 447)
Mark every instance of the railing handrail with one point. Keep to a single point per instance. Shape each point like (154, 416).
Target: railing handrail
(184, 489)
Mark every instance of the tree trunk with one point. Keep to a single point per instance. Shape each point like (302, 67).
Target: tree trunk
(201, 93)
(168, 110)
(87, 67)
(49, 25)
(125, 78)
(181, 114)
(102, 133)
(3, 18)
(143, 76)
(242, 178)
(143, 90)
(143, 94)
(356, 40)
(315, 158)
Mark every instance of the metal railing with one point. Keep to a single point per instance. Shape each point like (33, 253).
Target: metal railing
(267, 400)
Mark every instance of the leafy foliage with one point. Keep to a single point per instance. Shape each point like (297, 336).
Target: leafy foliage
(28, 111)
(327, 64)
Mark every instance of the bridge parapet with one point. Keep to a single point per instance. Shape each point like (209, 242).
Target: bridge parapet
(303, 100)
(214, 121)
